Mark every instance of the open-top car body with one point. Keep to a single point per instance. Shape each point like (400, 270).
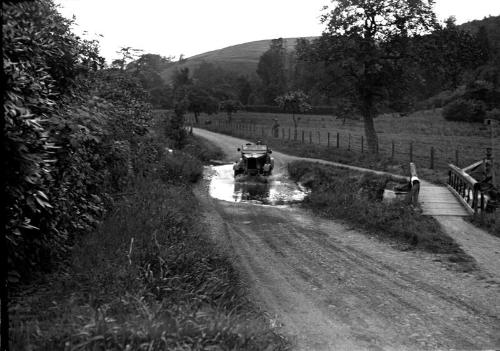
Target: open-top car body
(255, 160)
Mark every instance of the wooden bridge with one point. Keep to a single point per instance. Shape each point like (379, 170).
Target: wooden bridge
(438, 200)
(463, 196)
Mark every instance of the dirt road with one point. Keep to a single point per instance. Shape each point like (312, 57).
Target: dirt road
(331, 287)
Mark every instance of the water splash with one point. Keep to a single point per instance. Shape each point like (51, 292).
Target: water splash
(273, 190)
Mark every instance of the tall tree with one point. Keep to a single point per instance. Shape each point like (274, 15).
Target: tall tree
(200, 100)
(294, 102)
(449, 52)
(365, 40)
(271, 70)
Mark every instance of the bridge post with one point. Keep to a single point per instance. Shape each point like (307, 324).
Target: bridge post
(489, 165)
(415, 184)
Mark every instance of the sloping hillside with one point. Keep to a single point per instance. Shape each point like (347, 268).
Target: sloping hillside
(492, 26)
(241, 58)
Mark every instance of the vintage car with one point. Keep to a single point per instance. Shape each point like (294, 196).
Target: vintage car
(255, 160)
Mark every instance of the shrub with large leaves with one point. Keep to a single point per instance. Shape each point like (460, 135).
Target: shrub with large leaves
(68, 136)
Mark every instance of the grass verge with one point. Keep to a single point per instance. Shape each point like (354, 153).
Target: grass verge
(203, 150)
(366, 160)
(146, 279)
(489, 222)
(358, 199)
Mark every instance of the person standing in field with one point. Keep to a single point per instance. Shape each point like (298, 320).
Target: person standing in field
(276, 128)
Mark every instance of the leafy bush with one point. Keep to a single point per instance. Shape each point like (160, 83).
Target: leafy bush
(70, 133)
(48, 144)
(465, 111)
(493, 114)
(180, 167)
(202, 149)
(484, 91)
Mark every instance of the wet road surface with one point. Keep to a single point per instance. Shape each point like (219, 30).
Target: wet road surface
(272, 190)
(331, 287)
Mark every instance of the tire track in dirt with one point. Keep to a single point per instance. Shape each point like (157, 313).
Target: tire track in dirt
(335, 288)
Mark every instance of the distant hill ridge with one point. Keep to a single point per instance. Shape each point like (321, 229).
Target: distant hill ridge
(240, 58)
(244, 58)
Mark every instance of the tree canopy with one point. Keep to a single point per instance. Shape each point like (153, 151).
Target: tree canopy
(366, 44)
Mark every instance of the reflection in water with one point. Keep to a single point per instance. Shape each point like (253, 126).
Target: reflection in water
(273, 190)
(251, 191)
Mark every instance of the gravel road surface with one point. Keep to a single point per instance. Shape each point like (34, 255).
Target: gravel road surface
(328, 286)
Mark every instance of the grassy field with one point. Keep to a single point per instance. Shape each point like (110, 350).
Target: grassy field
(421, 131)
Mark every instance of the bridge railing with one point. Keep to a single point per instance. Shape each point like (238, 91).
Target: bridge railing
(467, 188)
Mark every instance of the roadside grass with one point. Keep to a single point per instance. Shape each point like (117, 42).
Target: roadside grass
(489, 222)
(357, 198)
(146, 279)
(203, 150)
(365, 160)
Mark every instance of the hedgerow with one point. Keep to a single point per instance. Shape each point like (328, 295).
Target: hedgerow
(69, 137)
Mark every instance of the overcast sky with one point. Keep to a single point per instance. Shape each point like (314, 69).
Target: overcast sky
(190, 27)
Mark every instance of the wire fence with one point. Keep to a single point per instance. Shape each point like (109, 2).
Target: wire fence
(425, 153)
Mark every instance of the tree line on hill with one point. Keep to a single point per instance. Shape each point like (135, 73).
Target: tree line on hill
(372, 57)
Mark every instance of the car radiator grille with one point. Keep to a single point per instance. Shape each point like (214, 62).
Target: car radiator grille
(252, 163)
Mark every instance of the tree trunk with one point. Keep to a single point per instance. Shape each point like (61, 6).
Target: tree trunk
(196, 114)
(370, 133)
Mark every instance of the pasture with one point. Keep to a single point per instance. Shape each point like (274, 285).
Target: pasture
(423, 137)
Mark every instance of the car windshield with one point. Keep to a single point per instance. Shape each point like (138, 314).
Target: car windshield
(254, 148)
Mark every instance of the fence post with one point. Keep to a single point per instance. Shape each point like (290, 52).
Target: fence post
(362, 144)
(328, 143)
(283, 133)
(432, 158)
(338, 140)
(411, 151)
(302, 137)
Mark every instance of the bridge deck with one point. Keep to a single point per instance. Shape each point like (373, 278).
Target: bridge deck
(439, 201)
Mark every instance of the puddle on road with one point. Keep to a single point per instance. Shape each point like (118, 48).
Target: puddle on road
(273, 190)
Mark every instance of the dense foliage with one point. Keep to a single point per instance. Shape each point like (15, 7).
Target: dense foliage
(465, 111)
(294, 102)
(69, 134)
